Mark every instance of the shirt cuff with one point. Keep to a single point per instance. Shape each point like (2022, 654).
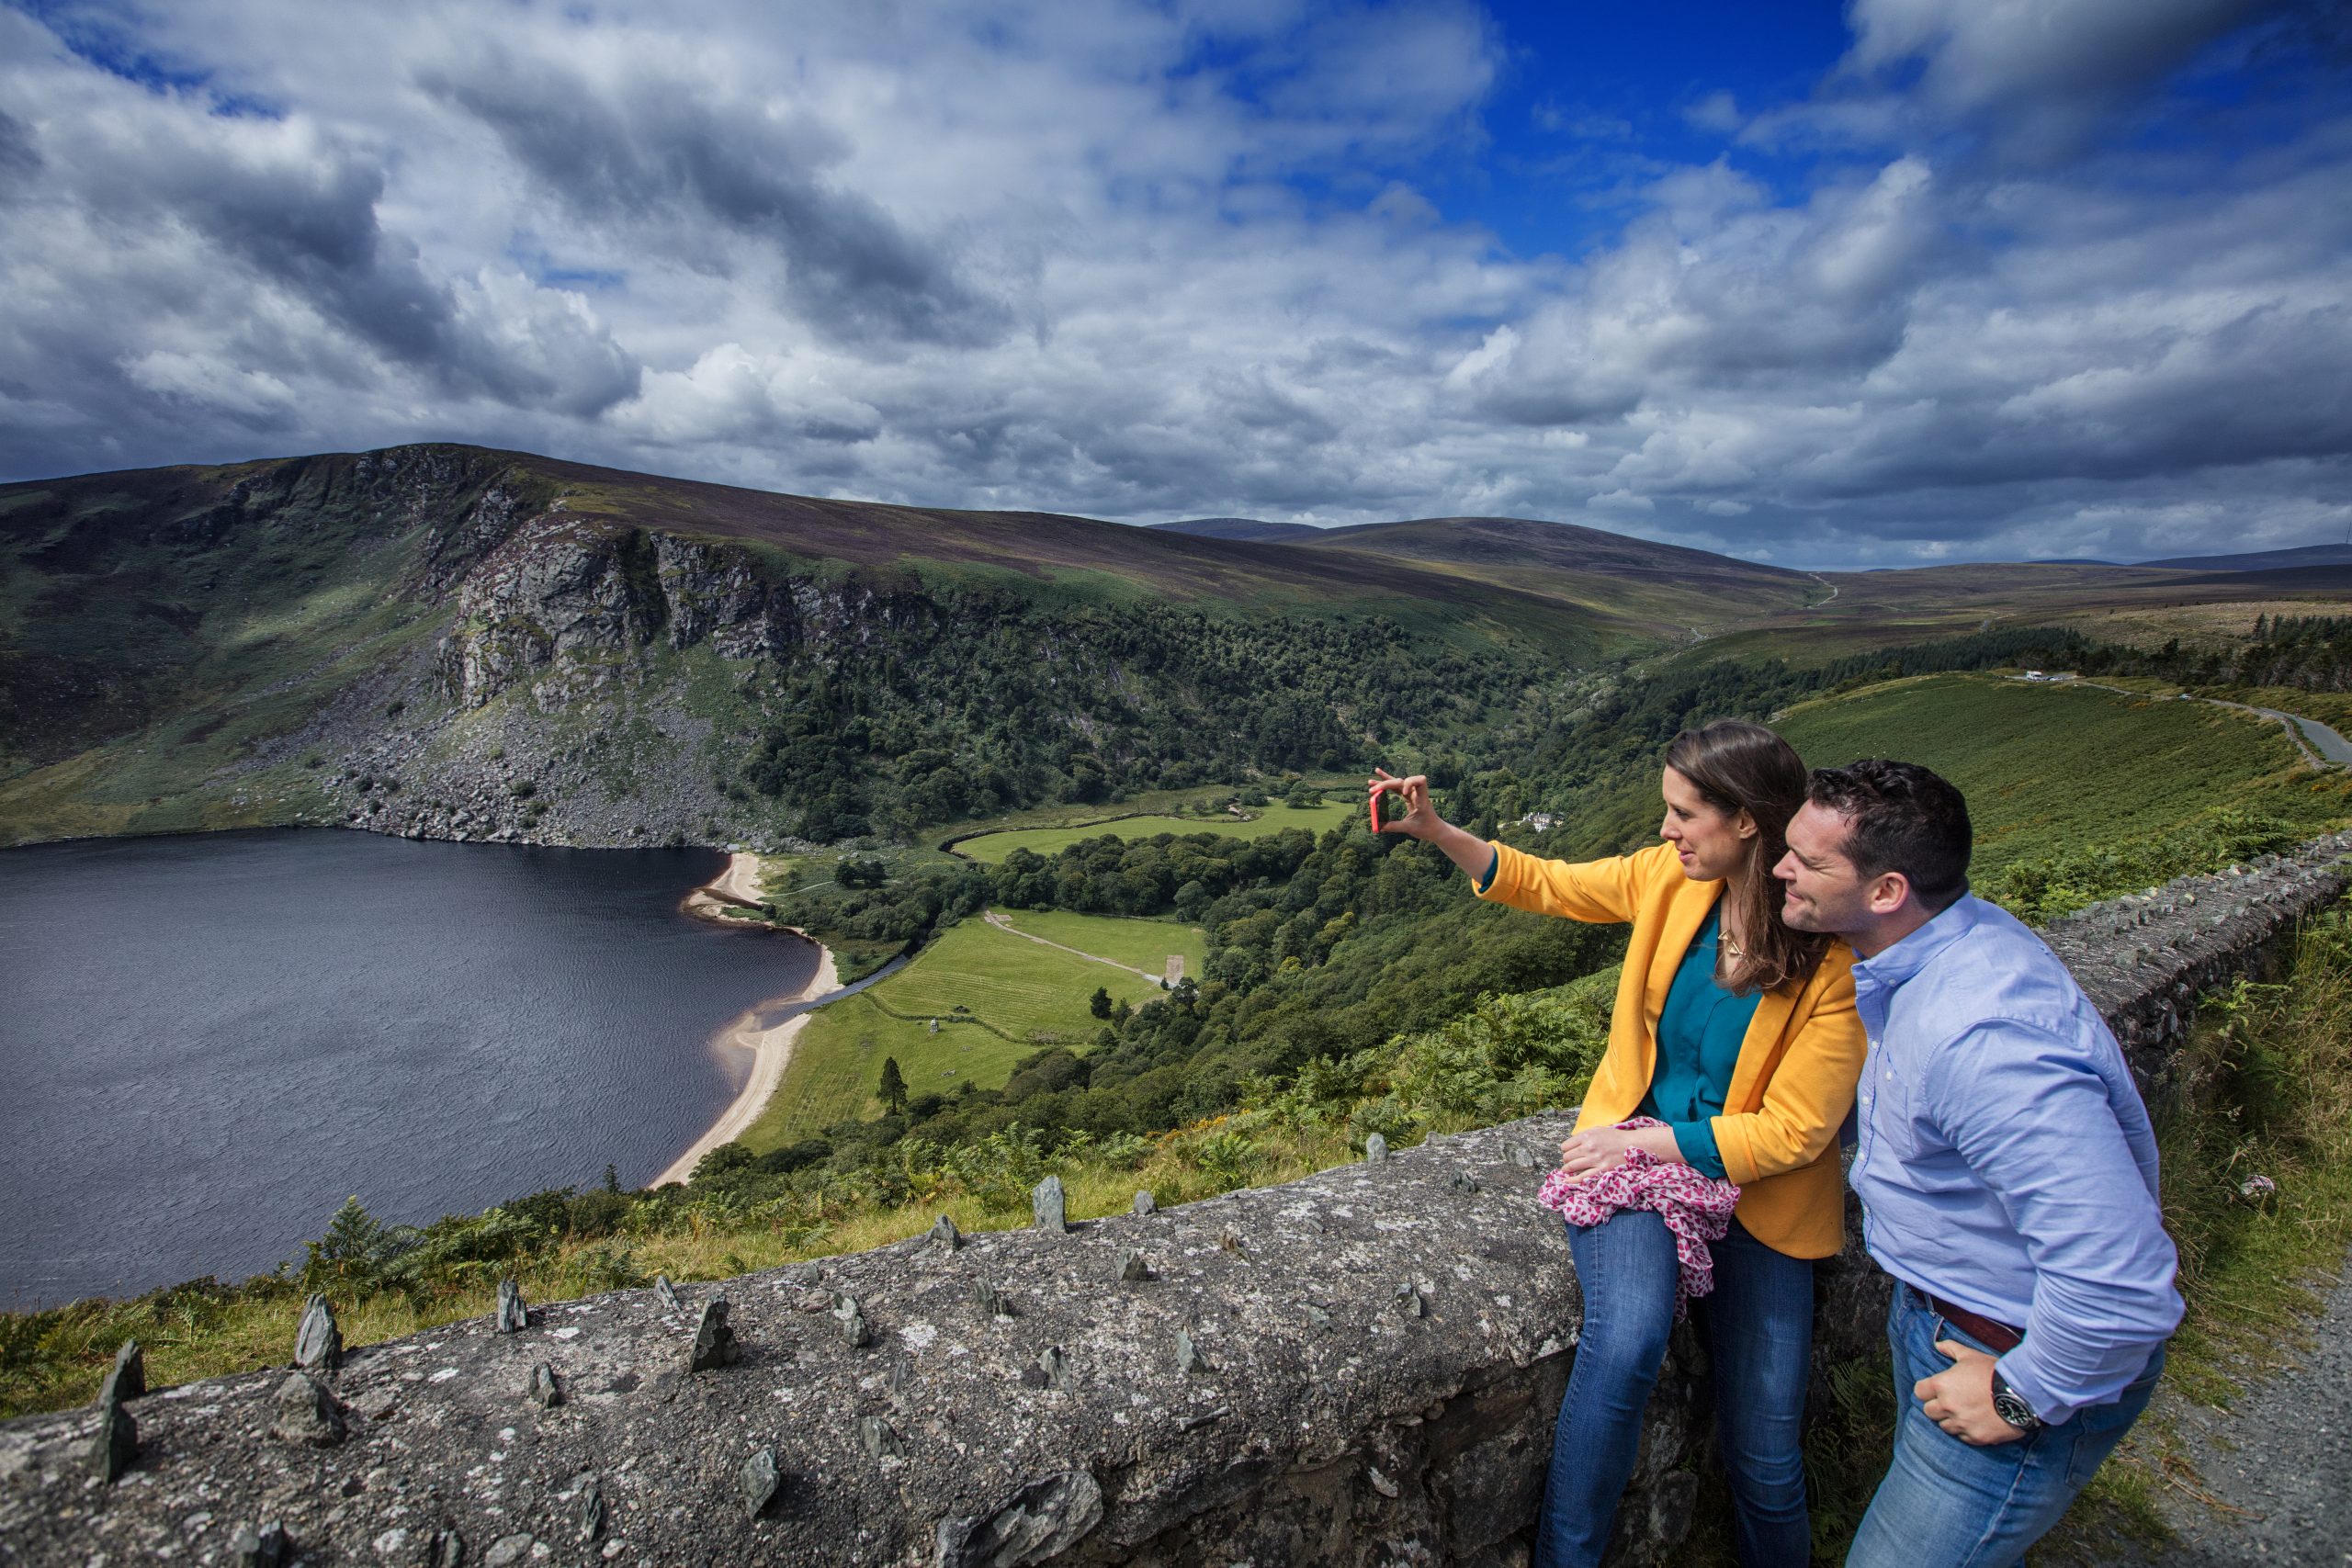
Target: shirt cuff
(1494, 864)
(1697, 1142)
(2021, 1370)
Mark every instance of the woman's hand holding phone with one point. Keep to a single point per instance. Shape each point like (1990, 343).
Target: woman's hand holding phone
(1417, 820)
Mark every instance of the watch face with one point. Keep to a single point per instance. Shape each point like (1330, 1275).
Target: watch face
(2010, 1408)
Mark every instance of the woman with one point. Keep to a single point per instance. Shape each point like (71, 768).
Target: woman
(1738, 1034)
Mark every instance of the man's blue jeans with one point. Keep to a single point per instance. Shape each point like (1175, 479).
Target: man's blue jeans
(1758, 1326)
(1946, 1504)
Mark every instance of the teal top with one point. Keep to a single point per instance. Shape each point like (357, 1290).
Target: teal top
(1698, 1037)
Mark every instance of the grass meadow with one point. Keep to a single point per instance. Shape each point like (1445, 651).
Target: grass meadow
(998, 996)
(2048, 768)
(991, 849)
(1140, 945)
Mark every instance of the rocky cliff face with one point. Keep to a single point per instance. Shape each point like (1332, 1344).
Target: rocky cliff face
(563, 690)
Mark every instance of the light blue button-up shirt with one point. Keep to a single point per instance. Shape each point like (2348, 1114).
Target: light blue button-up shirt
(2005, 1161)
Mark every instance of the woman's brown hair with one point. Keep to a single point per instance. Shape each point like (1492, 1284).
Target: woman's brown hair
(1737, 766)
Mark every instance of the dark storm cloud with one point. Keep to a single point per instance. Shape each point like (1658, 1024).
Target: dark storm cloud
(652, 150)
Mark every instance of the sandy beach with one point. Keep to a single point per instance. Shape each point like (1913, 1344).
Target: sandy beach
(771, 1048)
(738, 885)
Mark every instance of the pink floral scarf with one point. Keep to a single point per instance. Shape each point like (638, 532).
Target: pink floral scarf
(1696, 1209)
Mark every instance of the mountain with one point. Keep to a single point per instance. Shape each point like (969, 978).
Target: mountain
(1240, 528)
(2261, 560)
(1663, 590)
(449, 641)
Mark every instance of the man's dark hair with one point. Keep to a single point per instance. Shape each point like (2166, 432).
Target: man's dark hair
(1900, 817)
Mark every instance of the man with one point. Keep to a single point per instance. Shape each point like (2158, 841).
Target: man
(2007, 1174)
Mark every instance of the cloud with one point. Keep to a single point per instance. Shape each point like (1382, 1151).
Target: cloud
(1980, 54)
(1150, 260)
(652, 150)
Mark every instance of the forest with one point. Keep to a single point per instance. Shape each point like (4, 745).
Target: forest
(1003, 700)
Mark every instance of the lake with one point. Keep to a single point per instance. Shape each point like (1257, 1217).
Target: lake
(207, 1043)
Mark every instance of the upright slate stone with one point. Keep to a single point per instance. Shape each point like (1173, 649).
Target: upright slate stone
(991, 1302)
(880, 1440)
(318, 1344)
(758, 1481)
(668, 1294)
(944, 1236)
(116, 1443)
(306, 1413)
(1145, 1203)
(544, 1390)
(1048, 1209)
(1376, 1149)
(851, 1318)
(1189, 1360)
(448, 1551)
(128, 1379)
(264, 1547)
(714, 1341)
(590, 1520)
(513, 1315)
(1133, 1270)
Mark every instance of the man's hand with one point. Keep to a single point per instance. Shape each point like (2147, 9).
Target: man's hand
(1961, 1400)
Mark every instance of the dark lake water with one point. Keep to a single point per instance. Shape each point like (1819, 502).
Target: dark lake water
(207, 1043)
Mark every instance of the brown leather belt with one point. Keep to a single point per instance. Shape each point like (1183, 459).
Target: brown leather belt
(1999, 1337)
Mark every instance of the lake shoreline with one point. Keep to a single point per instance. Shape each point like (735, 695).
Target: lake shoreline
(737, 886)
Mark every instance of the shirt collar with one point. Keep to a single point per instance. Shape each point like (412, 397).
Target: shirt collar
(1893, 965)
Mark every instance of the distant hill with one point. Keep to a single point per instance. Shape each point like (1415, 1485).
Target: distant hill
(1670, 589)
(451, 641)
(2261, 560)
(1249, 528)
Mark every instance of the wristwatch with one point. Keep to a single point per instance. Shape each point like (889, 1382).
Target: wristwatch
(2012, 1409)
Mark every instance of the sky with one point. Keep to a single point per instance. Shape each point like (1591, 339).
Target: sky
(1891, 282)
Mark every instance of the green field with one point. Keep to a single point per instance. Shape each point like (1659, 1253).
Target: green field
(1016, 994)
(991, 849)
(1143, 944)
(2051, 768)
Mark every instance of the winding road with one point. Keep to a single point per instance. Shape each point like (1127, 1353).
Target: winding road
(2321, 746)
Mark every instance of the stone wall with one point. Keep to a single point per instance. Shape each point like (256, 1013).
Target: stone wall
(1357, 1368)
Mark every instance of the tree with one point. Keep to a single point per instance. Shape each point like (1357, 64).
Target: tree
(353, 1249)
(893, 1091)
(1099, 1004)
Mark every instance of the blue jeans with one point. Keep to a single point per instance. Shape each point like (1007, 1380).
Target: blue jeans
(1758, 1324)
(1949, 1503)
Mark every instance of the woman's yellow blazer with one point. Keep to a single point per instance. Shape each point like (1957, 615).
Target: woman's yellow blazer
(1794, 1081)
